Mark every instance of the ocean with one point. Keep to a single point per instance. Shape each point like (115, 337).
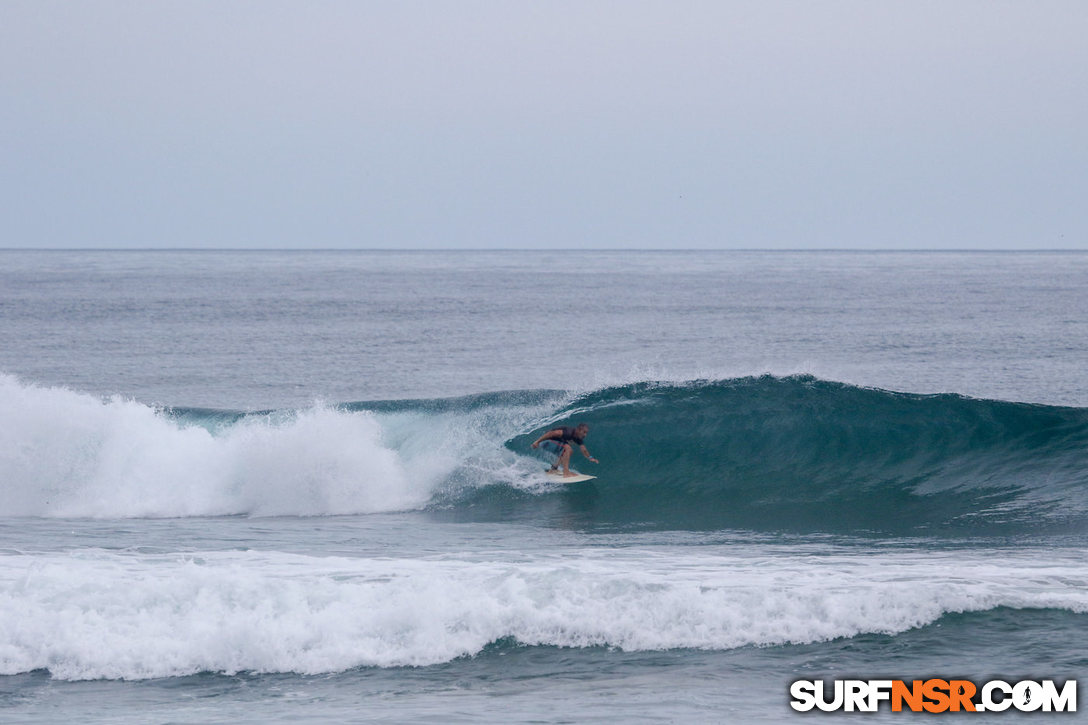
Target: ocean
(252, 487)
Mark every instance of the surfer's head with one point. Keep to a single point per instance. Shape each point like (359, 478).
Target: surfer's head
(582, 428)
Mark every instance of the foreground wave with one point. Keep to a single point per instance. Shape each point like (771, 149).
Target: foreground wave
(763, 453)
(97, 614)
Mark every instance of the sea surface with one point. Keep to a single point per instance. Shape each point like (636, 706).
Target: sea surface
(253, 487)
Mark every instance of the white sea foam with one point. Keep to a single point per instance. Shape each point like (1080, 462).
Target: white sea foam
(99, 614)
(70, 454)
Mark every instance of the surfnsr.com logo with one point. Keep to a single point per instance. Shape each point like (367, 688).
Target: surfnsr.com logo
(934, 695)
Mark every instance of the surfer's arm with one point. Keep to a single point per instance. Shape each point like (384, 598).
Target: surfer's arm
(585, 452)
(554, 433)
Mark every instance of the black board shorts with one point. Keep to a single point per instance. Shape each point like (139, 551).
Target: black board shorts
(554, 446)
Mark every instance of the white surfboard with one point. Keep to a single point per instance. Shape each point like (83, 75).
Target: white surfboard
(576, 478)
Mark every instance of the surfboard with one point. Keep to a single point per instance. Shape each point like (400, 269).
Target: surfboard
(577, 478)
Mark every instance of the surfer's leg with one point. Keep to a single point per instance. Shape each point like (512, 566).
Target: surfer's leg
(553, 447)
(558, 454)
(564, 459)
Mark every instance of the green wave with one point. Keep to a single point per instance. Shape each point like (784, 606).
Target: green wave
(800, 453)
(795, 454)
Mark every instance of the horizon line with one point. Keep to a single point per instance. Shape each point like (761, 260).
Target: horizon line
(551, 250)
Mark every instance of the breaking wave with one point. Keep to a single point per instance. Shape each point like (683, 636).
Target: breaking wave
(762, 453)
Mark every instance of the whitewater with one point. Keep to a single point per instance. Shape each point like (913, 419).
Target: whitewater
(254, 487)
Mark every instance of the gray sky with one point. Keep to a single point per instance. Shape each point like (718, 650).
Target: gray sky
(505, 124)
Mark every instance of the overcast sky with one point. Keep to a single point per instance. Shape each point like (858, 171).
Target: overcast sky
(506, 124)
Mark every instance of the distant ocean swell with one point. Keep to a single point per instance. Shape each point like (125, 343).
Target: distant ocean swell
(97, 614)
(763, 453)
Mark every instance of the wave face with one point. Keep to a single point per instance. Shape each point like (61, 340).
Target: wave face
(767, 454)
(805, 454)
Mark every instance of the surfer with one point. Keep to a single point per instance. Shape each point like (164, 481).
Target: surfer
(562, 438)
